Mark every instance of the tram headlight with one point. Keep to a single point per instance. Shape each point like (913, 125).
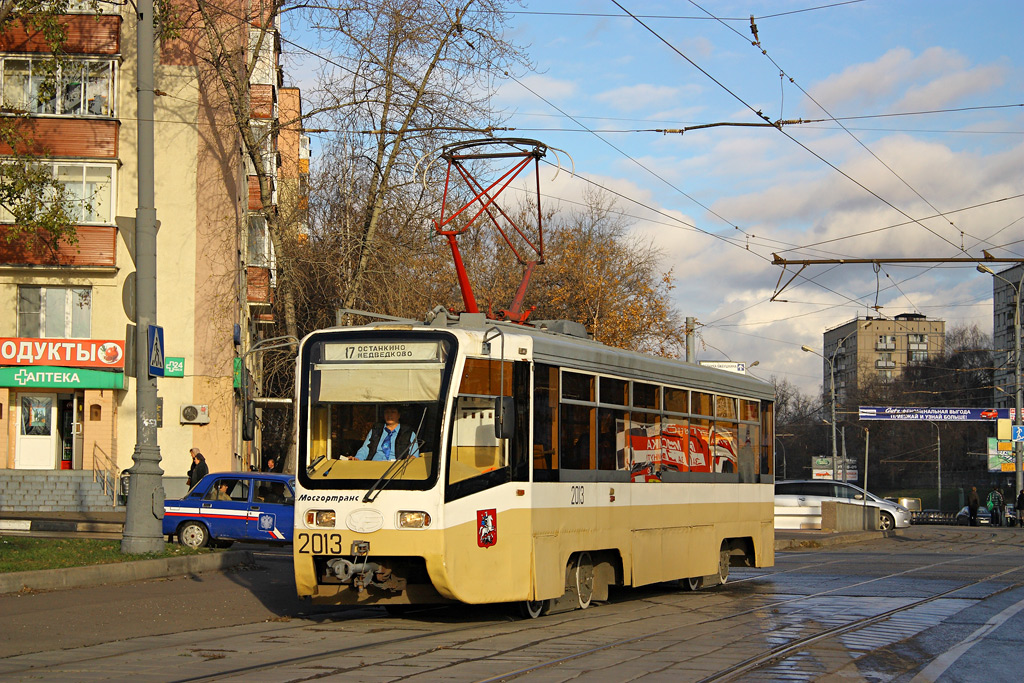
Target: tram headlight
(413, 520)
(321, 518)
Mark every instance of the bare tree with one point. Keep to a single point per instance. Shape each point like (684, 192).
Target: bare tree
(409, 78)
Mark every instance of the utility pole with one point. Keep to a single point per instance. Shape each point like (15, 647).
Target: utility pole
(143, 528)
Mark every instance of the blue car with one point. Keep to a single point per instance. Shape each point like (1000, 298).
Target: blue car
(233, 506)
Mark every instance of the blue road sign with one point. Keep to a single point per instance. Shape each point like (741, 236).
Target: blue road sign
(156, 351)
(1017, 433)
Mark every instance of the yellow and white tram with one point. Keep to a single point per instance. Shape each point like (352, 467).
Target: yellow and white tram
(537, 466)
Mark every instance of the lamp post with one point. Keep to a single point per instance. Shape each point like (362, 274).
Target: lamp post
(1019, 478)
(832, 391)
(938, 449)
(783, 457)
(832, 388)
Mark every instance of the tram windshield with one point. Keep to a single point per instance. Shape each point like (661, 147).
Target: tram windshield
(371, 404)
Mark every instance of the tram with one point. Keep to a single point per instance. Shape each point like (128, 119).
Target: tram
(538, 467)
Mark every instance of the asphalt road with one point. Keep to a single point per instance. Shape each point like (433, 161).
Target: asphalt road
(936, 603)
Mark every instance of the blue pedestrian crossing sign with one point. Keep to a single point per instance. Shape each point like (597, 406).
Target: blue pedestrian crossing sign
(1017, 433)
(156, 351)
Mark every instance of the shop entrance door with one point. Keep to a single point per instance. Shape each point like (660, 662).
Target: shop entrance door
(37, 434)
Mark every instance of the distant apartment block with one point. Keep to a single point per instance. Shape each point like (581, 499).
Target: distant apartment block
(1004, 295)
(869, 348)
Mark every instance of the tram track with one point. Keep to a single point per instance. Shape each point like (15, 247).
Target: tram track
(726, 674)
(479, 635)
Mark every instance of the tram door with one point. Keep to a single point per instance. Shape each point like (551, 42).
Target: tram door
(36, 447)
(488, 555)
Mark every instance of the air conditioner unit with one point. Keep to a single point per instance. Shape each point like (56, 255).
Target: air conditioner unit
(195, 414)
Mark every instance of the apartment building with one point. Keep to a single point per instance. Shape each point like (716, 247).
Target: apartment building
(1004, 295)
(66, 338)
(879, 348)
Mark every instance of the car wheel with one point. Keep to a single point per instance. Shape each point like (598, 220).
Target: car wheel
(886, 521)
(193, 535)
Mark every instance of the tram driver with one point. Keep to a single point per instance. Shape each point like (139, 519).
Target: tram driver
(389, 439)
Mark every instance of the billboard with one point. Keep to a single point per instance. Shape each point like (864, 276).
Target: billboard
(932, 414)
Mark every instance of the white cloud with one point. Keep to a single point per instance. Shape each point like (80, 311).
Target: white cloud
(937, 76)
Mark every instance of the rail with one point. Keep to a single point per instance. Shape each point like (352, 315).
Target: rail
(104, 471)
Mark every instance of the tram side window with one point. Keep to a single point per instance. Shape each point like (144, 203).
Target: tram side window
(475, 449)
(611, 438)
(545, 423)
(576, 438)
(767, 445)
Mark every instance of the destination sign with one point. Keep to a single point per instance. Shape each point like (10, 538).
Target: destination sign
(933, 414)
(375, 352)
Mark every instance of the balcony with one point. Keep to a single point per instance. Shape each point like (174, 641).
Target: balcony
(885, 346)
(66, 137)
(86, 34)
(96, 247)
(885, 364)
(259, 290)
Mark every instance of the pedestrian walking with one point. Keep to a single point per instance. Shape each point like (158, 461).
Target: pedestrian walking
(972, 506)
(199, 468)
(995, 506)
(1020, 508)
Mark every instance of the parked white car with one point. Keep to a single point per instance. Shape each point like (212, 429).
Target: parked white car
(810, 493)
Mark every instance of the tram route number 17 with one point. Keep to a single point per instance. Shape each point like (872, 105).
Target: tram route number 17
(577, 495)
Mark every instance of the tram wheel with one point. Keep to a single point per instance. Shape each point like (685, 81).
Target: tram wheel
(531, 609)
(584, 579)
(692, 584)
(723, 565)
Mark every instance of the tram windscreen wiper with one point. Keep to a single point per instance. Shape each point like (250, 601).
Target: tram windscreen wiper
(397, 466)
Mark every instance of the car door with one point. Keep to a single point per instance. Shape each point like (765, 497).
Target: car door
(813, 492)
(787, 494)
(271, 512)
(227, 518)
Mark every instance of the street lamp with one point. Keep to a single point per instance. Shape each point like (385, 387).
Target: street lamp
(1016, 372)
(832, 378)
(938, 448)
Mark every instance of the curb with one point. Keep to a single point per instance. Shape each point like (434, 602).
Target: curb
(57, 525)
(820, 540)
(121, 572)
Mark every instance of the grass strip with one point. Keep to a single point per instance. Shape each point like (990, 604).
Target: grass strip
(22, 553)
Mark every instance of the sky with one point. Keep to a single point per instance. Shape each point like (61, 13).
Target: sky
(926, 161)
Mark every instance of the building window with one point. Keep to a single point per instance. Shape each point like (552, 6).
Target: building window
(918, 338)
(54, 312)
(88, 192)
(78, 87)
(918, 356)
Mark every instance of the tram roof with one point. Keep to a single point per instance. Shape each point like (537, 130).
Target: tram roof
(566, 344)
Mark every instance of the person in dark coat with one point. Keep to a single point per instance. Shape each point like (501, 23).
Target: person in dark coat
(972, 506)
(995, 505)
(198, 470)
(1020, 508)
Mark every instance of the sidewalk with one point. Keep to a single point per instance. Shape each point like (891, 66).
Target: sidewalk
(111, 522)
(810, 539)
